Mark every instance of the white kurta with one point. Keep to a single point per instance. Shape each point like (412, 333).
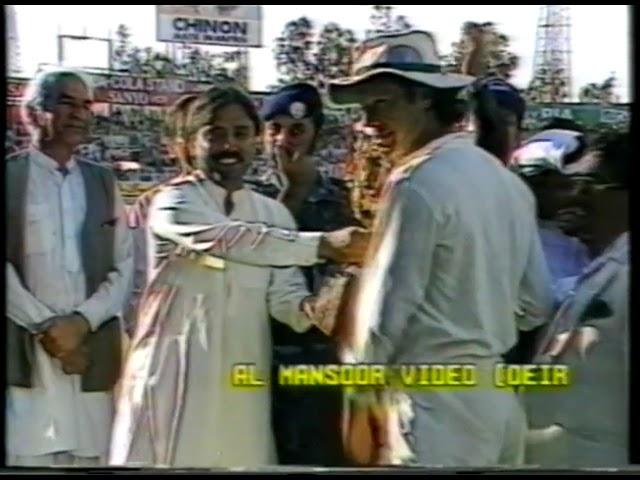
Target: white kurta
(177, 406)
(55, 415)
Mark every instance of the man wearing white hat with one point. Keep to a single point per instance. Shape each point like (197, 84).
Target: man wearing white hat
(457, 265)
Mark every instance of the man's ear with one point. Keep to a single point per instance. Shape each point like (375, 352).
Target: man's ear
(175, 146)
(171, 149)
(37, 118)
(191, 144)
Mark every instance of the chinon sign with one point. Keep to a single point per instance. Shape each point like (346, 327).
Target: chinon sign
(227, 25)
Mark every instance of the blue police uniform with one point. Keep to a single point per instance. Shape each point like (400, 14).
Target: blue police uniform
(306, 421)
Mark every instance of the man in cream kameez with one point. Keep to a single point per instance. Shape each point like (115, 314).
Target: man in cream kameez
(227, 261)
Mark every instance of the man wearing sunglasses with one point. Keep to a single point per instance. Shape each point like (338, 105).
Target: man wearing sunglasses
(587, 424)
(539, 162)
(601, 190)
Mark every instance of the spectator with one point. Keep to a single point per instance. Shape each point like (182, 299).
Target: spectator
(456, 263)
(540, 162)
(293, 120)
(219, 244)
(587, 425)
(69, 266)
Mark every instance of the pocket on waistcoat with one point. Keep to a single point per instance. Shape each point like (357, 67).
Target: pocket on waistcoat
(39, 235)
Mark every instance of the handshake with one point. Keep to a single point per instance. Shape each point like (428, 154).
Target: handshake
(63, 338)
(348, 245)
(328, 304)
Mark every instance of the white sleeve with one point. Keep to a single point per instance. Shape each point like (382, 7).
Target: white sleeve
(172, 218)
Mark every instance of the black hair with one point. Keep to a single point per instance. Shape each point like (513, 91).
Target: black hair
(557, 123)
(492, 133)
(615, 149)
(213, 100)
(577, 154)
(176, 129)
(176, 116)
(447, 104)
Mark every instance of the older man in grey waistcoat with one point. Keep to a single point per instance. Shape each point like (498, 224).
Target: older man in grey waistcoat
(69, 266)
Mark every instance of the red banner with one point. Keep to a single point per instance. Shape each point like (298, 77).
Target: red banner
(128, 90)
(15, 91)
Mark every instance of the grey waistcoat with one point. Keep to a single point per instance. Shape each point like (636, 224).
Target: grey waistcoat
(97, 247)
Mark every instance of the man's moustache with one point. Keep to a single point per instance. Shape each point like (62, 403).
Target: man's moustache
(227, 154)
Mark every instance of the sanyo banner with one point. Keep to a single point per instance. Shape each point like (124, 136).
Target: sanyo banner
(227, 25)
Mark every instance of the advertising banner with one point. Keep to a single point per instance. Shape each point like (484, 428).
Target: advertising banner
(588, 115)
(225, 25)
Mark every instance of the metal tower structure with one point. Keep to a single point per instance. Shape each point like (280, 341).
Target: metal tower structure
(12, 42)
(552, 60)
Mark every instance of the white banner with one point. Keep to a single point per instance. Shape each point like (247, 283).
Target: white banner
(226, 25)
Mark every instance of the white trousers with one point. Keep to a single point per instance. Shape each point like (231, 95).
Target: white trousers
(54, 460)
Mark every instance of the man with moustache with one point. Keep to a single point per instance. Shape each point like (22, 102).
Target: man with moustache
(228, 260)
(68, 269)
(175, 122)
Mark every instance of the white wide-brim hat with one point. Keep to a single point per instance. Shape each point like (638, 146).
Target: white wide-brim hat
(412, 55)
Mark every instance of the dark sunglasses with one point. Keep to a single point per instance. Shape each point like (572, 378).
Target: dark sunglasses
(596, 182)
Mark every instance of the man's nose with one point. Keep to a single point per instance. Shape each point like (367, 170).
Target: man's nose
(81, 113)
(368, 117)
(222, 140)
(580, 189)
(282, 137)
(231, 143)
(578, 194)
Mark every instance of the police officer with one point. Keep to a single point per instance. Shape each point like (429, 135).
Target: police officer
(306, 422)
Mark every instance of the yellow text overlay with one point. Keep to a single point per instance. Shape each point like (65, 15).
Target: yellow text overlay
(332, 375)
(408, 376)
(247, 375)
(531, 375)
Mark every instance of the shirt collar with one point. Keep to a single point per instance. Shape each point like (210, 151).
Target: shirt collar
(221, 192)
(619, 249)
(548, 225)
(438, 143)
(49, 163)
